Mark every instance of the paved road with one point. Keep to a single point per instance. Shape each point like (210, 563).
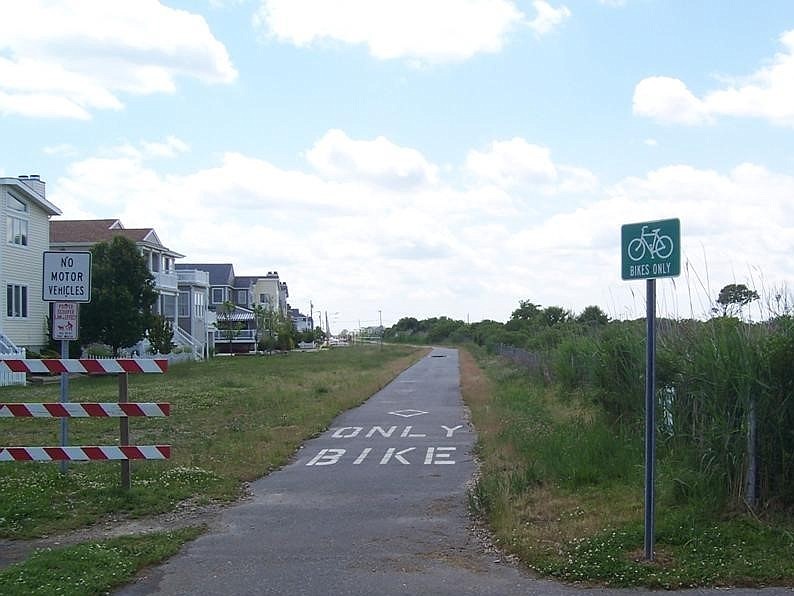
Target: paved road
(374, 506)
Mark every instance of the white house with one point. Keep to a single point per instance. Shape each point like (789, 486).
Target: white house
(25, 238)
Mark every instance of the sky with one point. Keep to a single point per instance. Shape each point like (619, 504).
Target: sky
(420, 157)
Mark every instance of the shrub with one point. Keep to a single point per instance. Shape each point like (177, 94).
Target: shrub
(96, 350)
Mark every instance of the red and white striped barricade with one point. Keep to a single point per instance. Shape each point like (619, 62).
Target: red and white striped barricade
(122, 409)
(93, 453)
(83, 410)
(109, 366)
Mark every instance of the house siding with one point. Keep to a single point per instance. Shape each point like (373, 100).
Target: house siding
(268, 287)
(22, 265)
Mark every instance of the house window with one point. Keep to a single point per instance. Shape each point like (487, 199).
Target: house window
(17, 301)
(17, 231)
(16, 205)
(168, 306)
(184, 304)
(217, 295)
(198, 305)
(242, 297)
(264, 299)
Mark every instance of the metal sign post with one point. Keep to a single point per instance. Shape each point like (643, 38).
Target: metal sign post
(650, 250)
(64, 398)
(650, 417)
(65, 317)
(66, 277)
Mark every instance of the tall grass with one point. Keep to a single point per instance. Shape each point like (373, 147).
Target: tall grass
(539, 441)
(711, 377)
(561, 476)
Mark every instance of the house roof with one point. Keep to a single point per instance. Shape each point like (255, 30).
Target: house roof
(66, 232)
(245, 281)
(221, 274)
(32, 194)
(83, 230)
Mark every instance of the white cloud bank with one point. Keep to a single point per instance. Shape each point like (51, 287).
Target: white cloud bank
(67, 59)
(767, 94)
(427, 32)
(380, 162)
(518, 165)
(352, 240)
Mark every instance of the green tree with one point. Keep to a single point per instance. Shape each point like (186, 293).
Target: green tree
(319, 335)
(526, 311)
(593, 316)
(406, 324)
(122, 295)
(554, 315)
(285, 333)
(264, 317)
(732, 298)
(442, 329)
(161, 335)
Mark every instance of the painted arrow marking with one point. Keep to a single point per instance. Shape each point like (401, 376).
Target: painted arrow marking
(407, 413)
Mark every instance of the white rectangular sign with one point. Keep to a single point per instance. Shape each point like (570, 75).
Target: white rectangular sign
(67, 277)
(65, 320)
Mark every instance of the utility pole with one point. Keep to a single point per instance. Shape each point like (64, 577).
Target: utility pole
(380, 324)
(311, 313)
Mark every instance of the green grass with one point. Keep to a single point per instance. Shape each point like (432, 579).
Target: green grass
(232, 420)
(36, 499)
(92, 567)
(739, 552)
(564, 492)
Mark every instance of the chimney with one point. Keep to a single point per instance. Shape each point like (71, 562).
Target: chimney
(35, 182)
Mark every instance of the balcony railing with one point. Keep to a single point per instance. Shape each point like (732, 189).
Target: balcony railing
(166, 280)
(193, 276)
(241, 335)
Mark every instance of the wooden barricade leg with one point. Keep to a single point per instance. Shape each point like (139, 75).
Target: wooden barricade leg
(124, 431)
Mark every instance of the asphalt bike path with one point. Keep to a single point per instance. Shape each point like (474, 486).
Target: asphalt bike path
(376, 505)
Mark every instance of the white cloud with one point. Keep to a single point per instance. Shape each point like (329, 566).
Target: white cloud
(66, 149)
(613, 3)
(170, 147)
(768, 94)
(668, 100)
(442, 248)
(428, 32)
(68, 59)
(517, 164)
(547, 17)
(651, 142)
(379, 162)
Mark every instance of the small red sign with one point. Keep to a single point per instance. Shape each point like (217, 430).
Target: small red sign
(65, 320)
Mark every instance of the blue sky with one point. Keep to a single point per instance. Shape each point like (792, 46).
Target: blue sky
(421, 158)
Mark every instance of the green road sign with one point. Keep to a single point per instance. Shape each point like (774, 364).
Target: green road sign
(651, 249)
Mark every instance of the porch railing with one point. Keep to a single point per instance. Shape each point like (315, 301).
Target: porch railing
(9, 378)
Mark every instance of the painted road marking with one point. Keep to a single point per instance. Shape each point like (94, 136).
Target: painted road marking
(403, 455)
(408, 413)
(433, 456)
(351, 432)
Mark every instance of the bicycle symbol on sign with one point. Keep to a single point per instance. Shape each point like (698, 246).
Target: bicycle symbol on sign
(657, 245)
